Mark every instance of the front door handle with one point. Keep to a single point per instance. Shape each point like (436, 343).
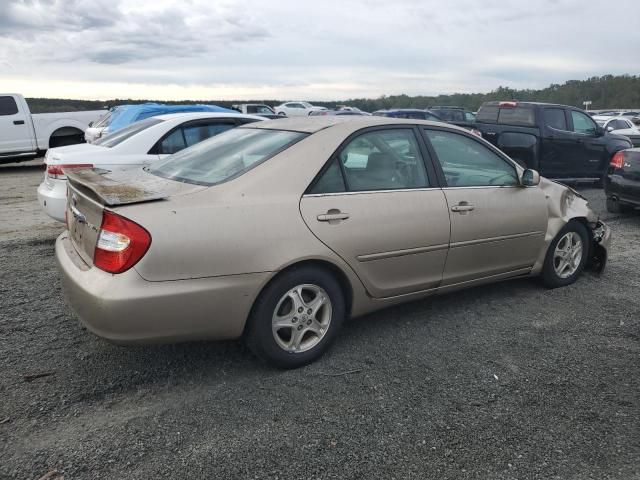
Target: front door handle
(333, 216)
(18, 122)
(462, 207)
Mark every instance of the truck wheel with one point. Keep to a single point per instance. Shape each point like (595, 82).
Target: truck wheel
(567, 256)
(615, 206)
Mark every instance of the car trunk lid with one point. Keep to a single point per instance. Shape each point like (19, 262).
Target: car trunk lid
(91, 191)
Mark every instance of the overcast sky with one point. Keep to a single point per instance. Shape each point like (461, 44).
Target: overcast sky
(298, 49)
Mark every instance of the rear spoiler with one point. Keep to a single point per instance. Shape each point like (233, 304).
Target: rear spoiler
(110, 190)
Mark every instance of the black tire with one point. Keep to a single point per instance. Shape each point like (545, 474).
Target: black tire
(615, 206)
(549, 276)
(259, 336)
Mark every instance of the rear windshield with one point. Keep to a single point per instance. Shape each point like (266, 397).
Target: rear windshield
(120, 136)
(225, 156)
(521, 115)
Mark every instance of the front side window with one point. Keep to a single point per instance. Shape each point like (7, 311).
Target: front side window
(8, 106)
(582, 123)
(377, 160)
(121, 135)
(468, 163)
(554, 118)
(225, 156)
(469, 117)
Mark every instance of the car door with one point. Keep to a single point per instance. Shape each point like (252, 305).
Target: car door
(557, 157)
(590, 155)
(16, 135)
(377, 205)
(497, 226)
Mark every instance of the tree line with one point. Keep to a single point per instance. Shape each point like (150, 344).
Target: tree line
(608, 91)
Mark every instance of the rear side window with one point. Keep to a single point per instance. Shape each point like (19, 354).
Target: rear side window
(8, 106)
(121, 135)
(554, 118)
(172, 143)
(225, 156)
(376, 160)
(198, 133)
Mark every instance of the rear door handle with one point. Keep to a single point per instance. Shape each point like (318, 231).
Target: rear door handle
(332, 215)
(18, 122)
(462, 208)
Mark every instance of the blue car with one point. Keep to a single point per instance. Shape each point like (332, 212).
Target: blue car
(123, 115)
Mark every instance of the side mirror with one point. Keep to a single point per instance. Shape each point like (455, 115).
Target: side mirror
(91, 124)
(600, 131)
(530, 178)
(609, 129)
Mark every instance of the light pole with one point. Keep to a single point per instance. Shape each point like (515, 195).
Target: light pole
(586, 104)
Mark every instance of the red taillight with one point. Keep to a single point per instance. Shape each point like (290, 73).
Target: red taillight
(56, 171)
(121, 243)
(508, 104)
(618, 160)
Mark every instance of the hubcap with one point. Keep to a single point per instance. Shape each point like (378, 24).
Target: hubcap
(301, 318)
(568, 255)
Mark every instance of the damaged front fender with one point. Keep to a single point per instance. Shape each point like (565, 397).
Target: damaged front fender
(564, 205)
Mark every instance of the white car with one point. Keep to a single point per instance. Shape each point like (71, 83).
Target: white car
(296, 109)
(98, 129)
(136, 145)
(621, 125)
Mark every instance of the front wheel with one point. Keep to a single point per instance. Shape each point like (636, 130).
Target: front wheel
(567, 256)
(296, 317)
(614, 206)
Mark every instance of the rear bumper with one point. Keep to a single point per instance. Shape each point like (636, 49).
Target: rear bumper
(53, 199)
(622, 188)
(125, 308)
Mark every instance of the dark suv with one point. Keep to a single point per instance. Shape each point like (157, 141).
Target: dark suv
(559, 141)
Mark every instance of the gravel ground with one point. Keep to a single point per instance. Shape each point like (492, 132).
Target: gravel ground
(508, 381)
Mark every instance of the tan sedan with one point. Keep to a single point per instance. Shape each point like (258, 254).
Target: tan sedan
(278, 231)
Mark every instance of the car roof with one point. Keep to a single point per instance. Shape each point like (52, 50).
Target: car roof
(314, 124)
(496, 103)
(200, 115)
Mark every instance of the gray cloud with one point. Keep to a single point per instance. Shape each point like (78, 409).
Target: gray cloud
(333, 48)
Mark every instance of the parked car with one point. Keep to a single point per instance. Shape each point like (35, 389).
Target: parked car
(455, 115)
(140, 143)
(278, 231)
(336, 112)
(296, 109)
(414, 113)
(342, 108)
(256, 109)
(621, 125)
(622, 185)
(559, 141)
(24, 135)
(125, 115)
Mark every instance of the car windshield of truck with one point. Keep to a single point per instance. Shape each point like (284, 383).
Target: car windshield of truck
(225, 156)
(121, 135)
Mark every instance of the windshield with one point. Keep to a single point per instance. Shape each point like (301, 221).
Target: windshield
(225, 156)
(120, 136)
(258, 109)
(306, 104)
(104, 121)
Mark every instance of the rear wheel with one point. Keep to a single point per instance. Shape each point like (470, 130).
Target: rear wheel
(296, 317)
(567, 256)
(615, 206)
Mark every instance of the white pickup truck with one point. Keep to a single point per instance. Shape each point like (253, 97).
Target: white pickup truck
(23, 135)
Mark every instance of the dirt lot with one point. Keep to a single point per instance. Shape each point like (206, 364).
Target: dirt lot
(509, 381)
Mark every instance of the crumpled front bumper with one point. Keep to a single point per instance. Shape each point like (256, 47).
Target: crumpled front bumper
(601, 241)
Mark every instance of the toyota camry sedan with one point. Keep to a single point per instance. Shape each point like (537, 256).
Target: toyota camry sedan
(276, 232)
